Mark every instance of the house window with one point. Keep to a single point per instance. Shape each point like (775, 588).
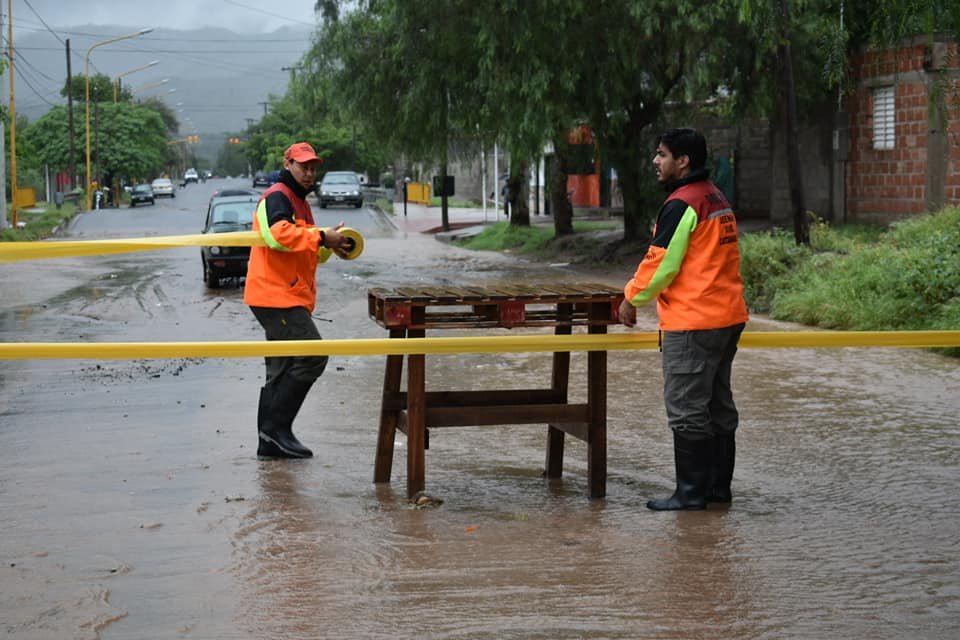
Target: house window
(883, 118)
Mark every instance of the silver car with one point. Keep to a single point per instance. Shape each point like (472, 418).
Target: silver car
(163, 187)
(340, 188)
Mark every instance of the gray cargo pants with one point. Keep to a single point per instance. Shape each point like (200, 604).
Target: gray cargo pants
(290, 324)
(696, 381)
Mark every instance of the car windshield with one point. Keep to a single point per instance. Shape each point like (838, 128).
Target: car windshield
(340, 179)
(141, 188)
(161, 182)
(231, 215)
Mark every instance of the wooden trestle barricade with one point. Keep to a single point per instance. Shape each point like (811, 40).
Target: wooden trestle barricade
(408, 312)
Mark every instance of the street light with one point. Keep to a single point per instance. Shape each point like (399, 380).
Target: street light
(86, 73)
(116, 85)
(150, 85)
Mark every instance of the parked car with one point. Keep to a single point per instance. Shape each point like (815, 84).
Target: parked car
(234, 191)
(191, 175)
(227, 213)
(340, 187)
(141, 193)
(261, 179)
(163, 187)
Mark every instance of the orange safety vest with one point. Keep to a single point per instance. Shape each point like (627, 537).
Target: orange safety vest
(282, 274)
(701, 287)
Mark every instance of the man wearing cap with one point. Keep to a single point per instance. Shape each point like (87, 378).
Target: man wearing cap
(281, 291)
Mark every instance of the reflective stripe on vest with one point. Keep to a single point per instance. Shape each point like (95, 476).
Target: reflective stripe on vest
(264, 225)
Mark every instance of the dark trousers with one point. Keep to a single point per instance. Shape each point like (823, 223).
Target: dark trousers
(290, 324)
(696, 381)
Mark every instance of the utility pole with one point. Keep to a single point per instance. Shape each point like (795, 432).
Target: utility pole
(3, 166)
(264, 107)
(13, 121)
(71, 165)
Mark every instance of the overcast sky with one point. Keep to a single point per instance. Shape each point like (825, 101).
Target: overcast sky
(243, 16)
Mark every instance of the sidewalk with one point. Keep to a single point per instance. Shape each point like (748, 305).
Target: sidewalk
(463, 221)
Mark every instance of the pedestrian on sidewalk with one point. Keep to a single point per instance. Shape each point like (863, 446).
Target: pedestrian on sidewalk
(281, 291)
(692, 268)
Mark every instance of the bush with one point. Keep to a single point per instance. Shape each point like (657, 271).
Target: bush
(907, 278)
(767, 260)
(39, 224)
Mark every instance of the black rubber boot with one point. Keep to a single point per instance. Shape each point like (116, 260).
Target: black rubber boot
(280, 405)
(265, 448)
(721, 469)
(692, 459)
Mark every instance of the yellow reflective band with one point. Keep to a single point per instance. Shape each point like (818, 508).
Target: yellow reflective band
(470, 344)
(17, 251)
(264, 225)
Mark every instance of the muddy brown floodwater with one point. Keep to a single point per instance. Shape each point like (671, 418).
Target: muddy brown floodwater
(132, 504)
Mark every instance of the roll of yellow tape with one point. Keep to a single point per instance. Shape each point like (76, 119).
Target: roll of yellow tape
(354, 236)
(356, 246)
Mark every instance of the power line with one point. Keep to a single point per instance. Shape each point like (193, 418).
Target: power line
(181, 50)
(275, 15)
(30, 6)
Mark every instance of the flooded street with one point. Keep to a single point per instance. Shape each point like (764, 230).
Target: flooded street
(132, 504)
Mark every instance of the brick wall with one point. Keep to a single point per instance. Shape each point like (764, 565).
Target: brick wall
(922, 170)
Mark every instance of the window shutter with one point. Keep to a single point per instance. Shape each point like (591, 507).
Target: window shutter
(883, 118)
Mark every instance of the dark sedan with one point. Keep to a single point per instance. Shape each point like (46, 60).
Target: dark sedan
(141, 194)
(261, 179)
(228, 213)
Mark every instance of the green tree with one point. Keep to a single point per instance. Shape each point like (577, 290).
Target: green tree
(406, 71)
(101, 89)
(132, 140)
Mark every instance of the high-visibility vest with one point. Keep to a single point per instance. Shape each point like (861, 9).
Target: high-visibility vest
(704, 290)
(282, 274)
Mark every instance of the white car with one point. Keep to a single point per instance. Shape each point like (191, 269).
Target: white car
(191, 175)
(163, 187)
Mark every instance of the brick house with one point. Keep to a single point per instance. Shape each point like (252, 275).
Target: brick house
(904, 131)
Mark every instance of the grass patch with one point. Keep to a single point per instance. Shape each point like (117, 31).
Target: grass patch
(454, 202)
(39, 224)
(906, 277)
(384, 205)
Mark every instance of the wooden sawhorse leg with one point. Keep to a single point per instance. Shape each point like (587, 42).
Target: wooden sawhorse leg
(416, 413)
(559, 383)
(389, 413)
(597, 409)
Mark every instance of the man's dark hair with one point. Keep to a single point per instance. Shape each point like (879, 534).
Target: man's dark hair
(686, 142)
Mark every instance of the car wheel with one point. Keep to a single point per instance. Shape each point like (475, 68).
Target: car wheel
(173, 195)
(323, 205)
(151, 201)
(211, 278)
(359, 204)
(132, 204)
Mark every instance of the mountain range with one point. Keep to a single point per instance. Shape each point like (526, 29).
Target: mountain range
(215, 79)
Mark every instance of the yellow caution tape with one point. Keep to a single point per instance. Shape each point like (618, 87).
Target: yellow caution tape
(470, 344)
(17, 251)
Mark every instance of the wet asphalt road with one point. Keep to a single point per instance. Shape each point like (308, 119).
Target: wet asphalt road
(132, 504)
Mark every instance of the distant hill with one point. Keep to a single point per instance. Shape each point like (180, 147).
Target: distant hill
(220, 76)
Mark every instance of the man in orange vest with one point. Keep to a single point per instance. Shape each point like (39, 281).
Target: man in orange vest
(281, 291)
(692, 268)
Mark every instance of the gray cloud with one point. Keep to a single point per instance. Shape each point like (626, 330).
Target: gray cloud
(242, 16)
